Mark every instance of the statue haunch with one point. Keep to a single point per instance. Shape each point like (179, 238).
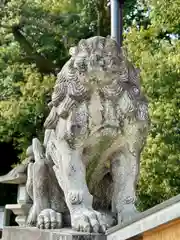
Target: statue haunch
(95, 132)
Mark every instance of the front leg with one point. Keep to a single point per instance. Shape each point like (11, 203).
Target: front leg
(71, 175)
(125, 170)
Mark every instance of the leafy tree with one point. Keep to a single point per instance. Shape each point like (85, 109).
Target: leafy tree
(156, 51)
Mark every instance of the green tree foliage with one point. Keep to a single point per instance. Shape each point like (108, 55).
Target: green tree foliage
(166, 14)
(157, 52)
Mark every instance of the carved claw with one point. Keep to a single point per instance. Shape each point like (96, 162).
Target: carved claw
(49, 219)
(86, 220)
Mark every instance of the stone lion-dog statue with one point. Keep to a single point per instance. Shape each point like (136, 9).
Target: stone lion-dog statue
(98, 123)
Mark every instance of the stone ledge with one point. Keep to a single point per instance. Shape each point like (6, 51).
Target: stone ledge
(148, 220)
(18, 233)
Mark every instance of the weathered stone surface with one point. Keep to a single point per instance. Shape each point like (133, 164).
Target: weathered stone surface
(14, 233)
(95, 132)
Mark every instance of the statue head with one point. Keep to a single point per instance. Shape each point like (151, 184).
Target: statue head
(96, 64)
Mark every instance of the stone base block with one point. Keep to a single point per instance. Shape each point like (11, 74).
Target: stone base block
(18, 233)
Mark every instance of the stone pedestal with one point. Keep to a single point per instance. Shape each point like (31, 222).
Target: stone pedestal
(17, 233)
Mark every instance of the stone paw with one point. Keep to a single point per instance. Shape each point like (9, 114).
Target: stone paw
(49, 219)
(88, 220)
(128, 213)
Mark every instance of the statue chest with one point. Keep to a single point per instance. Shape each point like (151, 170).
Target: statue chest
(95, 118)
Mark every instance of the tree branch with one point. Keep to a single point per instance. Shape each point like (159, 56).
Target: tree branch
(43, 64)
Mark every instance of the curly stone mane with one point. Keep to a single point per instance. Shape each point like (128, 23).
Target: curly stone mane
(79, 76)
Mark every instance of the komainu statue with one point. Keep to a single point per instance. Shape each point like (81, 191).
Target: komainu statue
(88, 165)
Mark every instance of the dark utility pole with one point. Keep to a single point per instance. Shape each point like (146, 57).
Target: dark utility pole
(117, 20)
(121, 5)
